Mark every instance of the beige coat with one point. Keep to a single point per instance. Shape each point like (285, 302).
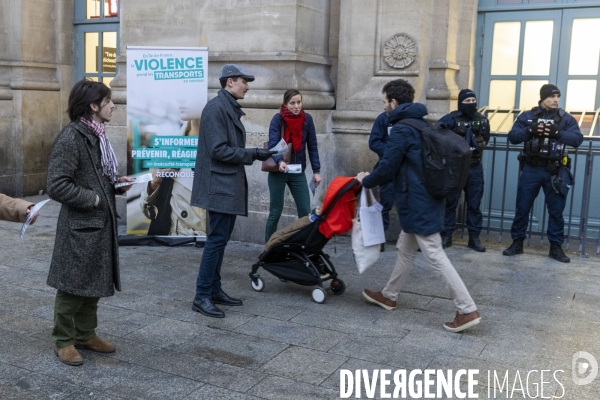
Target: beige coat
(14, 210)
(185, 219)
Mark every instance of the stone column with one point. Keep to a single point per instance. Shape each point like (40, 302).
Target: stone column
(451, 52)
(35, 73)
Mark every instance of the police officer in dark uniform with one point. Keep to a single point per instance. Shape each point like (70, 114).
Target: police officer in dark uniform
(475, 128)
(377, 141)
(546, 131)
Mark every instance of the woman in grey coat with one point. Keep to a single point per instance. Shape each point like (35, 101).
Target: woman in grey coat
(82, 172)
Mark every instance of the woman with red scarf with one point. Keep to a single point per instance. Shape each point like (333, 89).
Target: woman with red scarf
(299, 133)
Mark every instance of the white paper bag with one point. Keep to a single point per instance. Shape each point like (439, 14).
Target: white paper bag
(371, 219)
(363, 256)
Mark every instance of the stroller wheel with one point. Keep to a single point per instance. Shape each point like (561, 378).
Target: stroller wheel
(318, 294)
(259, 285)
(337, 286)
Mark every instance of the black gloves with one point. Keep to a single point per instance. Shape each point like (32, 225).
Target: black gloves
(534, 130)
(552, 131)
(480, 143)
(262, 154)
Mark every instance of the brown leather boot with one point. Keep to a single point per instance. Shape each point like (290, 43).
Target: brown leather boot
(96, 344)
(69, 355)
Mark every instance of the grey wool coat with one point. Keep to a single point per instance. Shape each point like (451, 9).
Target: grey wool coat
(85, 261)
(220, 183)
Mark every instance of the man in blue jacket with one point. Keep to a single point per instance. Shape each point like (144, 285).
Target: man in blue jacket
(220, 185)
(475, 128)
(377, 140)
(421, 215)
(546, 131)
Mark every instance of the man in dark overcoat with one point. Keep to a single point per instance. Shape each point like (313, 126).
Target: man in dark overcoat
(82, 172)
(421, 215)
(220, 185)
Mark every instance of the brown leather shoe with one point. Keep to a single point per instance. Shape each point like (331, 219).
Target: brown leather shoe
(96, 344)
(69, 355)
(379, 299)
(462, 321)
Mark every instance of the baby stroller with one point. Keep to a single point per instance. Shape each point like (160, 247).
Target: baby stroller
(299, 258)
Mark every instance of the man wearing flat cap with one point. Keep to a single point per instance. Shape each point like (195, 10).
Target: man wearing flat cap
(220, 186)
(546, 130)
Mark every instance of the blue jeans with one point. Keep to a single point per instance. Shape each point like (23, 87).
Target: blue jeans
(209, 274)
(473, 195)
(532, 179)
(387, 193)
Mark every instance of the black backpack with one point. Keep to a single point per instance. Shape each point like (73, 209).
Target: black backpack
(446, 159)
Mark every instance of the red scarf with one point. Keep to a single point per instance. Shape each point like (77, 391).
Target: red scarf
(293, 128)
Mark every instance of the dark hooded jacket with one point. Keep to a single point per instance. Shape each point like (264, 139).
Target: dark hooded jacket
(419, 213)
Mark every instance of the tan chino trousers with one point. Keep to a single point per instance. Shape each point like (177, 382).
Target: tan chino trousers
(431, 247)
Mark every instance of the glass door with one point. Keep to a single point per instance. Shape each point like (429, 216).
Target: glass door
(580, 60)
(519, 55)
(521, 51)
(96, 39)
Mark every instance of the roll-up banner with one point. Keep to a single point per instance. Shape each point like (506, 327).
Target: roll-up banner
(166, 92)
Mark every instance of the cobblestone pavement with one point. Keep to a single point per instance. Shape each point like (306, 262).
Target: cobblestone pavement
(280, 344)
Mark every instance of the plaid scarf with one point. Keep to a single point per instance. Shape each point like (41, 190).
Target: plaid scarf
(109, 160)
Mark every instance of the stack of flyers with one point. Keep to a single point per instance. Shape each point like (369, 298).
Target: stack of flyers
(32, 213)
(138, 179)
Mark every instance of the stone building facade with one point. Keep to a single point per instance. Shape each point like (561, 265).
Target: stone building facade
(338, 53)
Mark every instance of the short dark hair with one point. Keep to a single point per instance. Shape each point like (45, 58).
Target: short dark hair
(84, 93)
(224, 81)
(400, 90)
(287, 96)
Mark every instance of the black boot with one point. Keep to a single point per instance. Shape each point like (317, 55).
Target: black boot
(446, 241)
(515, 248)
(475, 244)
(557, 253)
(208, 308)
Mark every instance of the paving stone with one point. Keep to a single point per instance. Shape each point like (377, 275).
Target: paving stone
(344, 321)
(232, 348)
(24, 324)
(36, 386)
(87, 394)
(97, 372)
(116, 321)
(147, 384)
(16, 347)
(276, 388)
(235, 378)
(166, 333)
(9, 373)
(385, 351)
(287, 332)
(176, 363)
(209, 392)
(303, 364)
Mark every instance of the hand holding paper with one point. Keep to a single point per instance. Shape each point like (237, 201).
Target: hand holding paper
(32, 216)
(125, 182)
